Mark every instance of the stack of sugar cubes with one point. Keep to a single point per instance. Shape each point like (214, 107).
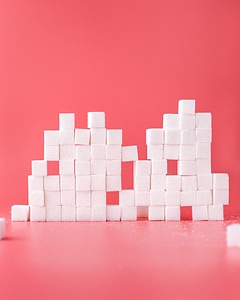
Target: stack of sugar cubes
(90, 166)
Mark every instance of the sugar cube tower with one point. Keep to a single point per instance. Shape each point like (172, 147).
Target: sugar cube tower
(90, 162)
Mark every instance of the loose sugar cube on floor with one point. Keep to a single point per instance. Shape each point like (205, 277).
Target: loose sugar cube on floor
(2, 228)
(84, 214)
(220, 181)
(96, 119)
(203, 120)
(66, 121)
(172, 213)
(36, 198)
(82, 136)
(173, 183)
(126, 198)
(99, 213)
(156, 213)
(54, 213)
(215, 212)
(39, 168)
(98, 136)
(170, 121)
(233, 235)
(155, 136)
(67, 152)
(221, 197)
(113, 183)
(204, 198)
(186, 107)
(67, 137)
(37, 214)
(157, 198)
(159, 166)
(142, 167)
(68, 198)
(53, 198)
(113, 213)
(51, 183)
(83, 199)
(187, 152)
(66, 167)
(51, 137)
(129, 213)
(129, 153)
(155, 151)
(113, 152)
(20, 213)
(142, 198)
(114, 136)
(83, 153)
(68, 213)
(200, 213)
(171, 151)
(188, 198)
(99, 199)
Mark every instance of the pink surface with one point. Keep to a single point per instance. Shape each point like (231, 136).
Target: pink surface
(122, 260)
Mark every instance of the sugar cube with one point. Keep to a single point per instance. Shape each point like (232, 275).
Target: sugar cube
(173, 183)
(203, 120)
(187, 137)
(67, 198)
(155, 136)
(66, 167)
(83, 183)
(68, 213)
(172, 198)
(39, 168)
(129, 153)
(98, 151)
(51, 137)
(204, 198)
(187, 152)
(157, 198)
(67, 137)
(142, 198)
(83, 167)
(37, 213)
(35, 183)
(99, 213)
(129, 213)
(171, 121)
(36, 198)
(189, 183)
(126, 198)
(99, 199)
(114, 167)
(186, 167)
(113, 183)
(96, 119)
(2, 228)
(113, 213)
(51, 153)
(142, 167)
(67, 152)
(221, 197)
(84, 213)
(159, 166)
(215, 212)
(187, 122)
(83, 152)
(20, 213)
(51, 183)
(66, 121)
(200, 213)
(204, 135)
(158, 182)
(98, 167)
(53, 213)
(82, 136)
(67, 182)
(188, 198)
(204, 182)
(98, 136)
(220, 181)
(155, 151)
(114, 136)
(142, 183)
(203, 150)
(52, 198)
(172, 137)
(233, 235)
(156, 213)
(98, 182)
(171, 151)
(83, 198)
(203, 166)
(186, 107)
(172, 213)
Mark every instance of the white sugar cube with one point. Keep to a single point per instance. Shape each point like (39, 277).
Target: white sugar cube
(51, 183)
(39, 168)
(67, 152)
(51, 153)
(220, 181)
(142, 183)
(203, 150)
(126, 198)
(96, 119)
(159, 166)
(20, 213)
(113, 183)
(83, 183)
(189, 183)
(187, 122)
(172, 198)
(98, 136)
(113, 152)
(84, 214)
(187, 152)
(67, 198)
(157, 198)
(98, 151)
(233, 235)
(2, 228)
(156, 213)
(203, 135)
(53, 213)
(172, 137)
(142, 198)
(114, 167)
(142, 167)
(36, 198)
(66, 167)
(171, 151)
(67, 137)
(82, 136)
(37, 213)
(99, 199)
(67, 182)
(204, 198)
(98, 182)
(155, 151)
(51, 137)
(215, 212)
(83, 152)
(52, 198)
(186, 107)
(188, 198)
(99, 213)
(114, 136)
(203, 120)
(203, 166)
(129, 153)
(154, 136)
(66, 121)
(187, 137)
(200, 213)
(113, 213)
(221, 197)
(173, 183)
(35, 183)
(187, 167)
(129, 213)
(204, 182)
(68, 213)
(171, 121)
(158, 182)
(172, 213)
(98, 167)
(82, 167)
(83, 198)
